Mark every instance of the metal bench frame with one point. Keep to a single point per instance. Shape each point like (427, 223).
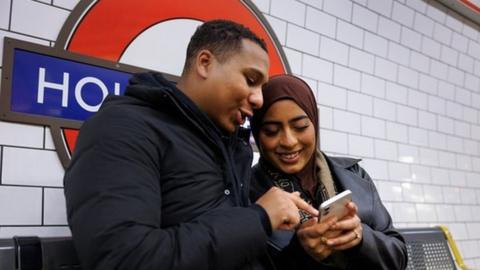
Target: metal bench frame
(431, 248)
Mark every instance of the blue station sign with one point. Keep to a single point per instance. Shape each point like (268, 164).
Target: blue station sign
(58, 87)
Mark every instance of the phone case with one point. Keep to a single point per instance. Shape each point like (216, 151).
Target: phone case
(335, 206)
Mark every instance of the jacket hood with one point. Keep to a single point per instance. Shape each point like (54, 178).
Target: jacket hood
(150, 87)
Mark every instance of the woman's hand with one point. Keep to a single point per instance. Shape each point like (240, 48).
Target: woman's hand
(313, 236)
(350, 228)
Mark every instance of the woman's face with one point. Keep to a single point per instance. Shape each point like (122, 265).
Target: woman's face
(287, 137)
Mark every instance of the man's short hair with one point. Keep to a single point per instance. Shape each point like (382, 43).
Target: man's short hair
(221, 37)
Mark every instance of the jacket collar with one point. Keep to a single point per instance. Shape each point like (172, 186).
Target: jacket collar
(341, 162)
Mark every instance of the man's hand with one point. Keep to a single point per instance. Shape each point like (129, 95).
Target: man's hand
(282, 208)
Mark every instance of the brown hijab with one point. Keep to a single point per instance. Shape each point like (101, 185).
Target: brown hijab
(289, 87)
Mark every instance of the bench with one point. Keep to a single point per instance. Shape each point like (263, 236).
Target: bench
(431, 248)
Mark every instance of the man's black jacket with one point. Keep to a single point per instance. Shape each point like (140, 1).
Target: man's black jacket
(153, 184)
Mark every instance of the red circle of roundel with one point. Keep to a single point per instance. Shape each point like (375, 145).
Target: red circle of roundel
(105, 28)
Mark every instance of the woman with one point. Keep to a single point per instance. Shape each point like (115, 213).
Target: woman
(286, 132)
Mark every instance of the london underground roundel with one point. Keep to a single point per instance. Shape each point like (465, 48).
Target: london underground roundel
(149, 34)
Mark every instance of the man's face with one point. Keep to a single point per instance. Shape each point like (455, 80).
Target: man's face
(235, 86)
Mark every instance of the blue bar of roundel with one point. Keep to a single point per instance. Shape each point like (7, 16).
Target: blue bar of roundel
(25, 81)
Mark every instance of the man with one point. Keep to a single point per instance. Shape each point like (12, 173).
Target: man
(159, 176)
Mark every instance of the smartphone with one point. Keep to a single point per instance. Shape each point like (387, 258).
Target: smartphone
(335, 206)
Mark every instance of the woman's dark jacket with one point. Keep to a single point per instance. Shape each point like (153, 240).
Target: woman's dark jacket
(153, 184)
(382, 247)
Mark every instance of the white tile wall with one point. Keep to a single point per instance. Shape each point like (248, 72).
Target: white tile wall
(426, 212)
(427, 120)
(420, 174)
(4, 14)
(21, 135)
(373, 127)
(407, 153)
(375, 44)
(433, 194)
(302, 39)
(431, 47)
(43, 231)
(446, 90)
(445, 213)
(428, 157)
(333, 141)
(333, 50)
(397, 82)
(350, 34)
(44, 168)
(457, 178)
(316, 68)
(48, 21)
(385, 150)
(384, 109)
(397, 132)
(413, 193)
(262, 5)
(472, 82)
(373, 86)
(68, 4)
(55, 213)
(423, 24)
(449, 55)
(330, 95)
(442, 34)
(411, 39)
(289, 10)
(438, 69)
(20, 205)
(320, 22)
(459, 42)
(385, 69)
(364, 18)
(427, 84)
(470, 31)
(407, 115)
(437, 11)
(314, 3)
(382, 7)
(377, 168)
(359, 103)
(403, 14)
(419, 61)
(346, 77)
(408, 77)
(339, 8)
(325, 117)
(417, 99)
(346, 121)
(399, 171)
(389, 29)
(48, 139)
(361, 61)
(398, 54)
(280, 28)
(360, 146)
(390, 190)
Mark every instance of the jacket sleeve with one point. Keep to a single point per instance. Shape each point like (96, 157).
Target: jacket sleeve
(382, 247)
(114, 198)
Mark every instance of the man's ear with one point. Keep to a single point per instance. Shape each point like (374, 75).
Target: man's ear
(204, 62)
